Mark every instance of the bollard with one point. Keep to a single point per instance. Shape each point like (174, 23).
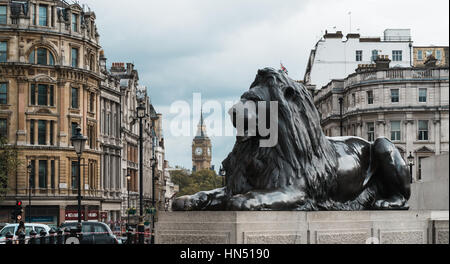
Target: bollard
(21, 236)
(141, 230)
(42, 239)
(59, 236)
(51, 238)
(130, 236)
(32, 240)
(66, 234)
(9, 238)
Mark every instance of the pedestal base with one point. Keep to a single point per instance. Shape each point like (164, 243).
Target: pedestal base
(386, 227)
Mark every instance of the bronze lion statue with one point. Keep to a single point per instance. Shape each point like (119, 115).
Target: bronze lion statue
(306, 170)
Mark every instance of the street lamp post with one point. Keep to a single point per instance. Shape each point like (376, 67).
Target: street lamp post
(79, 142)
(128, 198)
(29, 168)
(411, 164)
(141, 114)
(152, 236)
(222, 174)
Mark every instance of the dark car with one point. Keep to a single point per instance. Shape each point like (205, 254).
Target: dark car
(94, 233)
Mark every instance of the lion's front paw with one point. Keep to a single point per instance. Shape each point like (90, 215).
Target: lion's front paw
(183, 203)
(242, 203)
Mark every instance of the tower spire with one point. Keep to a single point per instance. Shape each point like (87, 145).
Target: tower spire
(201, 132)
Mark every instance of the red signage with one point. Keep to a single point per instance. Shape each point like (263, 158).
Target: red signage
(104, 215)
(73, 215)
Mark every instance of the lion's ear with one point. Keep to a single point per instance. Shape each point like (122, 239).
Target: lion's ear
(289, 92)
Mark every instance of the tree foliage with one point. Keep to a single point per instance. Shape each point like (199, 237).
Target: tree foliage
(191, 183)
(8, 164)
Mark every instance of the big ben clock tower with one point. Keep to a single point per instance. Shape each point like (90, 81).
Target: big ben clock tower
(201, 148)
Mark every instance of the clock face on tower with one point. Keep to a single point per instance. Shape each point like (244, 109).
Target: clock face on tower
(198, 151)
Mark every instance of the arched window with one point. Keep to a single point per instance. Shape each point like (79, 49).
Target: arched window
(41, 56)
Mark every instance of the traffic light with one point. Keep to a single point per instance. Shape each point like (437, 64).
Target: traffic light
(18, 210)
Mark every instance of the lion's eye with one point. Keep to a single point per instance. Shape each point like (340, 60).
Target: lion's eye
(289, 92)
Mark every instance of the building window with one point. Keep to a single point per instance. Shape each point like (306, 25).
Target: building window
(44, 57)
(374, 55)
(52, 133)
(42, 131)
(423, 130)
(3, 128)
(91, 136)
(3, 14)
(371, 131)
(74, 175)
(3, 51)
(420, 55)
(359, 55)
(74, 23)
(52, 174)
(395, 131)
(32, 173)
(422, 95)
(43, 21)
(395, 96)
(354, 99)
(419, 171)
(3, 93)
(32, 132)
(33, 11)
(397, 55)
(43, 174)
(74, 126)
(75, 98)
(438, 55)
(74, 57)
(370, 97)
(44, 93)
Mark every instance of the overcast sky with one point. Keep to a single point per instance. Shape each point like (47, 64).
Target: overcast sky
(215, 47)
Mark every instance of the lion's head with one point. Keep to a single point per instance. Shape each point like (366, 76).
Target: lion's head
(303, 155)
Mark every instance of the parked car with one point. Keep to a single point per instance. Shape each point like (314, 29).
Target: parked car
(94, 232)
(28, 227)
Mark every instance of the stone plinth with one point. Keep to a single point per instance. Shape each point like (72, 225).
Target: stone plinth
(399, 227)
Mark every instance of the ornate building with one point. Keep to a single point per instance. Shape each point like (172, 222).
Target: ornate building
(410, 106)
(201, 149)
(49, 85)
(422, 53)
(111, 179)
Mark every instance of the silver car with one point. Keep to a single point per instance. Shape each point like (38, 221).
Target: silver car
(28, 227)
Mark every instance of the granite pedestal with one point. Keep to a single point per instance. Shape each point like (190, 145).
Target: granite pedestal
(386, 227)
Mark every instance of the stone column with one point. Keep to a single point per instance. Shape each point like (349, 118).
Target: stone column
(36, 130)
(47, 133)
(49, 174)
(57, 176)
(36, 174)
(62, 214)
(21, 105)
(62, 109)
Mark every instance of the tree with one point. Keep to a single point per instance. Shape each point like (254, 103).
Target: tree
(9, 162)
(189, 184)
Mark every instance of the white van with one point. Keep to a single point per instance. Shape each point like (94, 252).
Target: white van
(28, 227)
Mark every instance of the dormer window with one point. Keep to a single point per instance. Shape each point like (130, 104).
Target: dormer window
(41, 56)
(74, 22)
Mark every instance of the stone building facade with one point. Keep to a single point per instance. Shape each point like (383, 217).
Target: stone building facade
(111, 179)
(410, 106)
(50, 82)
(421, 53)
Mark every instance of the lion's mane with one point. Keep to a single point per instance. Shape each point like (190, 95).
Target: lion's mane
(303, 154)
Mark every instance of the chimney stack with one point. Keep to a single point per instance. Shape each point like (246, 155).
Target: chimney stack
(382, 62)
